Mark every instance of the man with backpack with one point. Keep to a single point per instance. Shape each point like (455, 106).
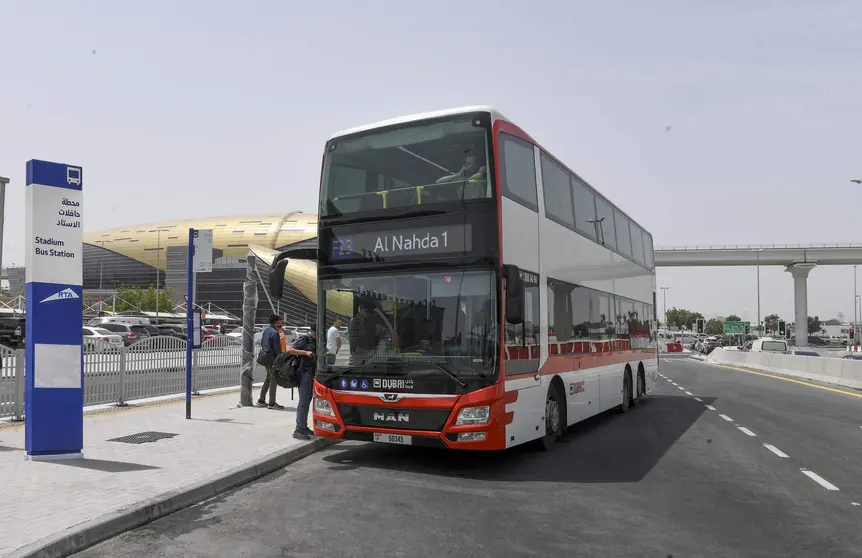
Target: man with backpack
(305, 349)
(271, 345)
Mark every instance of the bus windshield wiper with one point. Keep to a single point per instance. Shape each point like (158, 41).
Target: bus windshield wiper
(442, 369)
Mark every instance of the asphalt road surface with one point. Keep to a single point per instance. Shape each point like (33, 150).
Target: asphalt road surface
(773, 470)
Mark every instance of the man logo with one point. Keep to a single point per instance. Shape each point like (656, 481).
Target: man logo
(391, 417)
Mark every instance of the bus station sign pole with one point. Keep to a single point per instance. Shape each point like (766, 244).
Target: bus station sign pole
(200, 258)
(54, 357)
(190, 324)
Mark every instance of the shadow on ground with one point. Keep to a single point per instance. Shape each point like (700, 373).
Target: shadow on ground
(608, 448)
(104, 465)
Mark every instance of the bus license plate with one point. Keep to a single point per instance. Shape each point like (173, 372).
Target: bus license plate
(393, 438)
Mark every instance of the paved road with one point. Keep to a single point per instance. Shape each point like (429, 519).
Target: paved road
(671, 478)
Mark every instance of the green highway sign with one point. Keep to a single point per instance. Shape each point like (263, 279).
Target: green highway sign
(735, 327)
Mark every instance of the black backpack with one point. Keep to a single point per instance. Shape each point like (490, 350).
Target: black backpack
(286, 368)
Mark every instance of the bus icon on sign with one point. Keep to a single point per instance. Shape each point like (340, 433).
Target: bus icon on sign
(73, 175)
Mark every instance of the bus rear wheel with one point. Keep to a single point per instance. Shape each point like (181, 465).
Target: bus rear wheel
(627, 392)
(641, 391)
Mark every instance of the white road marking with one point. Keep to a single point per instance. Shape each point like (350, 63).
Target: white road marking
(680, 388)
(775, 450)
(698, 399)
(689, 393)
(727, 418)
(710, 407)
(674, 383)
(855, 503)
(818, 479)
(746, 431)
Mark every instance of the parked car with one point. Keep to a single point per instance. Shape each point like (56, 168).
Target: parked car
(123, 330)
(237, 334)
(172, 330)
(12, 331)
(127, 320)
(225, 329)
(708, 345)
(99, 340)
(815, 341)
(145, 331)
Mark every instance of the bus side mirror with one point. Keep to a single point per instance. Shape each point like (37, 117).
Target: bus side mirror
(514, 294)
(276, 278)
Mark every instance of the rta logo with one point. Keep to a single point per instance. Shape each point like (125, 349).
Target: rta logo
(576, 387)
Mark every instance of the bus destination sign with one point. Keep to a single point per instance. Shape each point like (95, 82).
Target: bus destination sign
(425, 241)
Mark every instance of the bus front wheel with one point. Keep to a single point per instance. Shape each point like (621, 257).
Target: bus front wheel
(554, 414)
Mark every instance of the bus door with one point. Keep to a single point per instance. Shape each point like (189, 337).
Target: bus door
(521, 361)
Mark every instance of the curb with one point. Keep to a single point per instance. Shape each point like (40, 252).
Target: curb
(90, 533)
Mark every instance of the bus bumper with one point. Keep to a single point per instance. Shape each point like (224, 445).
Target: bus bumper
(328, 421)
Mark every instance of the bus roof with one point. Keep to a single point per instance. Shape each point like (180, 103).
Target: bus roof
(420, 116)
(495, 115)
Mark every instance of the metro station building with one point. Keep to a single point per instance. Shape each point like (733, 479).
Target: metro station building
(156, 253)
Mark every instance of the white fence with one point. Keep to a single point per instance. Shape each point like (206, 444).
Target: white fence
(841, 371)
(148, 368)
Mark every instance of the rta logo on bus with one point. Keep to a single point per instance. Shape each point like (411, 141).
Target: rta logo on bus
(576, 387)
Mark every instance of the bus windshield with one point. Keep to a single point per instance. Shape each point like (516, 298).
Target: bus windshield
(420, 164)
(448, 319)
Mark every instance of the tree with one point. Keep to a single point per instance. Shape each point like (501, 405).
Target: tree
(682, 318)
(770, 322)
(143, 300)
(813, 325)
(714, 327)
(733, 318)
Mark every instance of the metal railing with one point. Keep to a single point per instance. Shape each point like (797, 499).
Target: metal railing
(148, 368)
(756, 246)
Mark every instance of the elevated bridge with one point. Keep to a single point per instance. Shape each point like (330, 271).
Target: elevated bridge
(798, 260)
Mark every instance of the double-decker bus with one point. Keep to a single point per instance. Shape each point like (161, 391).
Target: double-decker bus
(491, 296)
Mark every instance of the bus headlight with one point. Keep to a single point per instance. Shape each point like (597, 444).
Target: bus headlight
(323, 407)
(473, 415)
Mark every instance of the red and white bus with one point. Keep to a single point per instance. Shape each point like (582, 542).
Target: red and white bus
(491, 296)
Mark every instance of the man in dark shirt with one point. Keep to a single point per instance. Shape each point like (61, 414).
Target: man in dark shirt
(305, 347)
(270, 342)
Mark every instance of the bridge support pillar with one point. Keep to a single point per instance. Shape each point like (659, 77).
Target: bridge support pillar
(800, 272)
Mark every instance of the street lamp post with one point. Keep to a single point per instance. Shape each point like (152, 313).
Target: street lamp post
(158, 265)
(3, 182)
(664, 295)
(101, 268)
(857, 305)
(855, 314)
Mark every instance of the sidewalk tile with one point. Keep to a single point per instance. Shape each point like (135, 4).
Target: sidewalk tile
(43, 498)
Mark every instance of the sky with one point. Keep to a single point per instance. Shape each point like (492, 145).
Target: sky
(732, 122)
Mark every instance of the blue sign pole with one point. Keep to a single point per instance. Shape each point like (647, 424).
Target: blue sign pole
(54, 356)
(190, 323)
